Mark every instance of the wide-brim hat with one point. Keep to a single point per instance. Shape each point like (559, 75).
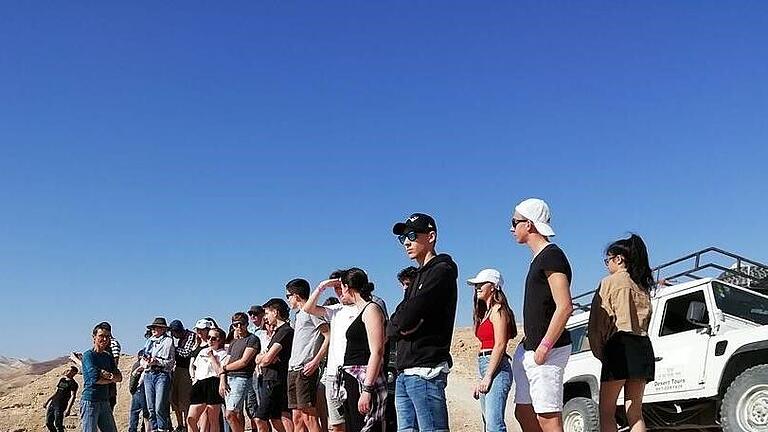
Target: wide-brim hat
(158, 322)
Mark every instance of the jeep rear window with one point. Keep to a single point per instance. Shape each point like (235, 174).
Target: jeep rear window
(740, 303)
(579, 340)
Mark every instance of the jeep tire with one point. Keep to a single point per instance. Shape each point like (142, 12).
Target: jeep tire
(580, 414)
(745, 404)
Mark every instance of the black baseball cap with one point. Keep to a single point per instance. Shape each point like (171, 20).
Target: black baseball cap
(417, 222)
(256, 310)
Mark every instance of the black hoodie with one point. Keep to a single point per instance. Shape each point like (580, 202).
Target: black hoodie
(426, 316)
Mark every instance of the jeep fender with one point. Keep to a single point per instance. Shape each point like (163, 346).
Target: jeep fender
(741, 360)
(574, 387)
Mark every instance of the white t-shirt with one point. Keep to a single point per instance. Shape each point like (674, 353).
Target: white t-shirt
(340, 316)
(203, 366)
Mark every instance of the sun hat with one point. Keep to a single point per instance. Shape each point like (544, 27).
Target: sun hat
(536, 211)
(158, 322)
(487, 275)
(176, 325)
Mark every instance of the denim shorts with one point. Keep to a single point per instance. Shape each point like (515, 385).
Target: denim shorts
(238, 390)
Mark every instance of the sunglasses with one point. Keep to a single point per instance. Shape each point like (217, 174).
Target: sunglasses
(288, 295)
(609, 259)
(239, 324)
(214, 338)
(410, 235)
(515, 222)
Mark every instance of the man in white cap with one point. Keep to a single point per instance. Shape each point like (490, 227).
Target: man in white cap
(540, 359)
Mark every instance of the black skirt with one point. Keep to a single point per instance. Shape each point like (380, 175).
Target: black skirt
(206, 391)
(628, 356)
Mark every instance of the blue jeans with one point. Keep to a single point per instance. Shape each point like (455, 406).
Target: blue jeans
(96, 416)
(138, 409)
(494, 403)
(157, 388)
(421, 404)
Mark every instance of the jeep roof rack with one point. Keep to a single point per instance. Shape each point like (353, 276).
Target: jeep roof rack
(737, 269)
(742, 272)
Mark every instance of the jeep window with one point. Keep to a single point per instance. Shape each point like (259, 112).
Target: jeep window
(579, 339)
(675, 311)
(741, 303)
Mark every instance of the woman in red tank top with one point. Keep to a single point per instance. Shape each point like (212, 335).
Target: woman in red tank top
(494, 327)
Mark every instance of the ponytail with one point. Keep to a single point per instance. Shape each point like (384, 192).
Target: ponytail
(635, 256)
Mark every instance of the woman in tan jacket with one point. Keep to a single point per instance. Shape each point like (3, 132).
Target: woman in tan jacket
(618, 331)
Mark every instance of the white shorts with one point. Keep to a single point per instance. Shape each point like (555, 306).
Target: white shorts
(540, 385)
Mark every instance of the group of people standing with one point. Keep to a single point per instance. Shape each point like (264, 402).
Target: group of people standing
(327, 370)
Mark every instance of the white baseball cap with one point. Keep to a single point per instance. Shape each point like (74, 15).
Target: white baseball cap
(203, 324)
(487, 275)
(536, 211)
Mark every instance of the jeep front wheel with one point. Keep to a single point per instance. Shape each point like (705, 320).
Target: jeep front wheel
(745, 404)
(580, 415)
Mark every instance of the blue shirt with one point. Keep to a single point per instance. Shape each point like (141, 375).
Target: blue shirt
(93, 364)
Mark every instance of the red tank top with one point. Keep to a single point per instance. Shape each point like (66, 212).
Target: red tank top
(484, 333)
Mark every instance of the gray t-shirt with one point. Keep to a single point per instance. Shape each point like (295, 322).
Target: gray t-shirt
(307, 339)
(236, 351)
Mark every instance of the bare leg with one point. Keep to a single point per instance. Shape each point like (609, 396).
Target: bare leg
(298, 421)
(263, 425)
(633, 404)
(202, 423)
(527, 418)
(286, 423)
(235, 421)
(195, 411)
(212, 414)
(551, 422)
(609, 393)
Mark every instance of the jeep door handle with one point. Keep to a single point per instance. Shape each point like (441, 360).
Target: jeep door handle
(658, 359)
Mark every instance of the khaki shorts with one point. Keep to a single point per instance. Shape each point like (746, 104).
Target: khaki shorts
(335, 406)
(302, 390)
(181, 389)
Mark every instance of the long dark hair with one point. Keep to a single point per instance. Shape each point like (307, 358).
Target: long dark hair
(357, 280)
(635, 255)
(497, 297)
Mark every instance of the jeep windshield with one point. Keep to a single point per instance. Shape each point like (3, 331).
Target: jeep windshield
(741, 303)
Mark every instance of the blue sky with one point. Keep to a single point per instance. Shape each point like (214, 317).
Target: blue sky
(187, 160)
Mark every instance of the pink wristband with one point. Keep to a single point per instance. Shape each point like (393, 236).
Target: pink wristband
(546, 343)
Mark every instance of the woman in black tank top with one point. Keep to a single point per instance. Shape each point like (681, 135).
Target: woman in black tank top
(362, 372)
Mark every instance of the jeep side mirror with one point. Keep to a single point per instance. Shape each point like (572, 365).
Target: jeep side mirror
(697, 314)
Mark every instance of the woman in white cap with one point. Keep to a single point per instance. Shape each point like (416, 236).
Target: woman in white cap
(205, 369)
(494, 327)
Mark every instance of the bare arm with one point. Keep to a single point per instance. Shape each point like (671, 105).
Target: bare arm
(314, 364)
(374, 329)
(500, 338)
(311, 307)
(561, 293)
(247, 357)
(271, 355)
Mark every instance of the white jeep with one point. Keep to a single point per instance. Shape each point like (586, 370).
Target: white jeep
(710, 340)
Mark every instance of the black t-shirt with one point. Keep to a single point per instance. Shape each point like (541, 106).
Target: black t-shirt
(539, 305)
(236, 352)
(279, 369)
(64, 390)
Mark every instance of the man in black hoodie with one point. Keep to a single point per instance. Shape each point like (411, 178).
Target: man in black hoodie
(423, 327)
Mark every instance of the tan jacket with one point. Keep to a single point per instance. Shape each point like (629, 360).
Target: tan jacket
(619, 305)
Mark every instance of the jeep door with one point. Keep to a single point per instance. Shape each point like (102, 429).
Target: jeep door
(680, 346)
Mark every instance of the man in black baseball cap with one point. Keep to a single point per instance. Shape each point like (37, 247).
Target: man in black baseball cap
(423, 327)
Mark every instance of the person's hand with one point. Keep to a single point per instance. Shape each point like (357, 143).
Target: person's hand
(310, 368)
(224, 389)
(328, 283)
(540, 356)
(482, 387)
(364, 403)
